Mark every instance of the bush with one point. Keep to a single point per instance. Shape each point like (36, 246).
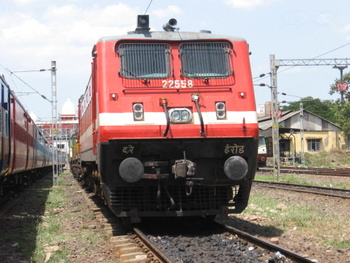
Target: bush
(331, 159)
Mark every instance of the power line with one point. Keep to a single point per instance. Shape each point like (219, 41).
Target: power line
(263, 76)
(148, 6)
(333, 50)
(319, 55)
(25, 83)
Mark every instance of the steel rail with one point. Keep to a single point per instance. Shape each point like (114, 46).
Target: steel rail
(269, 245)
(289, 186)
(158, 253)
(342, 172)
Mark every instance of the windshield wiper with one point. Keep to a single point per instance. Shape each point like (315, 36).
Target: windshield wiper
(206, 79)
(143, 80)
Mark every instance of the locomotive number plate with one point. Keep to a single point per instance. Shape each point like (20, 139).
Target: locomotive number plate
(175, 84)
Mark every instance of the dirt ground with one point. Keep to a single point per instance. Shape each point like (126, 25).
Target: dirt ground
(82, 239)
(308, 241)
(79, 238)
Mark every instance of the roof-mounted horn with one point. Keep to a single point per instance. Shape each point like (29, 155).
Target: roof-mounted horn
(170, 26)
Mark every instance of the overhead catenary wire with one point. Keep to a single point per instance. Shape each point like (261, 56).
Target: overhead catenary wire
(26, 84)
(333, 50)
(265, 75)
(18, 93)
(148, 6)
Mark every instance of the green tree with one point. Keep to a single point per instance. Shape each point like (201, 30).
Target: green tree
(333, 88)
(324, 109)
(336, 111)
(342, 114)
(342, 109)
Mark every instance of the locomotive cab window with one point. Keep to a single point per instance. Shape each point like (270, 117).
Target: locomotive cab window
(144, 60)
(206, 60)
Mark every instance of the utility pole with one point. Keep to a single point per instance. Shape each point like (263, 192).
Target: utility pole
(54, 128)
(339, 63)
(274, 113)
(302, 151)
(301, 116)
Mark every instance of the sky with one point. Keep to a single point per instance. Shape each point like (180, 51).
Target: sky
(35, 32)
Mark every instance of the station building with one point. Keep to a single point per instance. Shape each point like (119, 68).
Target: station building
(301, 131)
(67, 126)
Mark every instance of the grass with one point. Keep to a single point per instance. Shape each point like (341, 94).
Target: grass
(49, 231)
(338, 243)
(55, 227)
(305, 180)
(329, 228)
(300, 216)
(52, 217)
(331, 159)
(300, 219)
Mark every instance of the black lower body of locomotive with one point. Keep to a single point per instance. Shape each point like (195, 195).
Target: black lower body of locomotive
(177, 177)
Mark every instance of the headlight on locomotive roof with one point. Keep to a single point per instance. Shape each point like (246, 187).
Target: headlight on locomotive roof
(180, 115)
(220, 110)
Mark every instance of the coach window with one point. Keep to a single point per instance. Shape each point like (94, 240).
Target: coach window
(5, 105)
(60, 146)
(144, 60)
(4, 96)
(206, 59)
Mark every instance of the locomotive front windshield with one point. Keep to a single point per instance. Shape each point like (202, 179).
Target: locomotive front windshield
(144, 61)
(205, 60)
(154, 60)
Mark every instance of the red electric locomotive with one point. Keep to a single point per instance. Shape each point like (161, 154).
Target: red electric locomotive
(168, 123)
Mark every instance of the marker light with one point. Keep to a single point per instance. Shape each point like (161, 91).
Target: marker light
(138, 111)
(220, 110)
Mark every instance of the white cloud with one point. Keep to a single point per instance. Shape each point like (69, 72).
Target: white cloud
(61, 14)
(325, 18)
(67, 33)
(63, 28)
(170, 11)
(26, 30)
(248, 4)
(113, 15)
(25, 2)
(346, 30)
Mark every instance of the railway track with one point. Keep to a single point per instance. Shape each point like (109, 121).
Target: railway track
(296, 257)
(130, 245)
(209, 241)
(201, 240)
(327, 191)
(155, 241)
(133, 244)
(344, 172)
